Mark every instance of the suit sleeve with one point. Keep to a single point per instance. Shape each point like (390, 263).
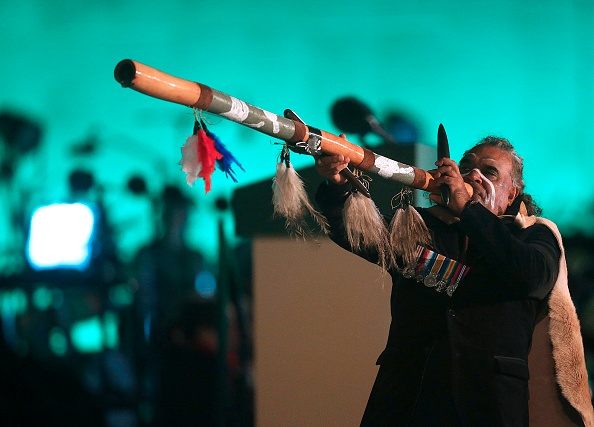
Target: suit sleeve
(532, 257)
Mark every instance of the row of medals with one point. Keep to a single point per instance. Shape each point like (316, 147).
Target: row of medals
(430, 281)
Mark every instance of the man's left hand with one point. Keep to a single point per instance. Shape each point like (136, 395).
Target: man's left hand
(448, 173)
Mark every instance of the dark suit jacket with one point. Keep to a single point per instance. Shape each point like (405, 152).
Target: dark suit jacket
(461, 360)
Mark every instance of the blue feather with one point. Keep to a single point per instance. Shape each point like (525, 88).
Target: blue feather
(226, 163)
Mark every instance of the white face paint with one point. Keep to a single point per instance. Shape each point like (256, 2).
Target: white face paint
(497, 165)
(491, 194)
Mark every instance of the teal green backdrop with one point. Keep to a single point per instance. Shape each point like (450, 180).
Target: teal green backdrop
(522, 70)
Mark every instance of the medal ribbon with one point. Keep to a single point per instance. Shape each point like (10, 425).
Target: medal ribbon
(436, 269)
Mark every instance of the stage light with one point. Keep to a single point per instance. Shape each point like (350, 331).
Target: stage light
(111, 323)
(42, 298)
(60, 236)
(58, 341)
(87, 335)
(121, 295)
(13, 302)
(94, 334)
(205, 284)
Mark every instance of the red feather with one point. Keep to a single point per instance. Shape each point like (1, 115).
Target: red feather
(207, 155)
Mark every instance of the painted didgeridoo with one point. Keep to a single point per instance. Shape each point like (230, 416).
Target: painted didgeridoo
(300, 137)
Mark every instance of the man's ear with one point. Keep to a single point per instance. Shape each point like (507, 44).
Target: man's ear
(513, 193)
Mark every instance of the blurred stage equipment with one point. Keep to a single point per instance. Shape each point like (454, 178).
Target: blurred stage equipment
(350, 115)
(137, 185)
(74, 233)
(74, 301)
(20, 136)
(19, 132)
(60, 236)
(402, 128)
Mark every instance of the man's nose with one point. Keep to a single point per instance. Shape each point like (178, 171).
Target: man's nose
(475, 176)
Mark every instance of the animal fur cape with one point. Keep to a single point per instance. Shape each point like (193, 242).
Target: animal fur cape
(559, 391)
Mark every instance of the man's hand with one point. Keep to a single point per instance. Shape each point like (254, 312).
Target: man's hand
(448, 173)
(330, 166)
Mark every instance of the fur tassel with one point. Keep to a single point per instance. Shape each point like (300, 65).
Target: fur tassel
(366, 229)
(291, 202)
(408, 230)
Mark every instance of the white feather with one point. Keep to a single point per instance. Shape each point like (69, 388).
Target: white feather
(407, 230)
(290, 201)
(190, 163)
(366, 229)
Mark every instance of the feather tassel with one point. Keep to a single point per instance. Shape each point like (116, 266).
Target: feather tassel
(407, 230)
(227, 160)
(190, 162)
(199, 155)
(290, 200)
(366, 229)
(208, 155)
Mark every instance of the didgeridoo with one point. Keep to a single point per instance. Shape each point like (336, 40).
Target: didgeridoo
(300, 137)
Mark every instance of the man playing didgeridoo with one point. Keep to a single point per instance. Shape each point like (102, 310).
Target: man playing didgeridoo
(458, 349)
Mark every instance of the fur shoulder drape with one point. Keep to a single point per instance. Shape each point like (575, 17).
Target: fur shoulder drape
(557, 363)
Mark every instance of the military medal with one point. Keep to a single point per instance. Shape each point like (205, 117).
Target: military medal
(441, 286)
(450, 289)
(436, 271)
(408, 273)
(430, 280)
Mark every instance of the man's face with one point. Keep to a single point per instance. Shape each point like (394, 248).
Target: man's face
(489, 171)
